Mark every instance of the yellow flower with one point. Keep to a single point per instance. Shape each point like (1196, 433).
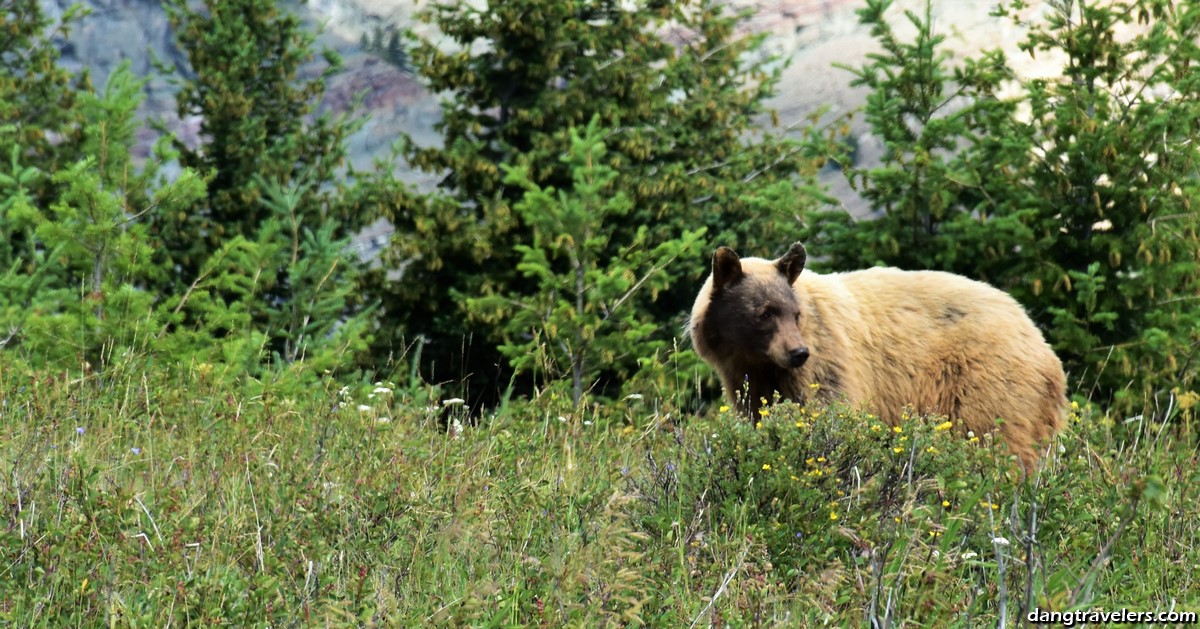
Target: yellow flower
(815, 386)
(820, 459)
(946, 503)
(931, 450)
(764, 412)
(757, 425)
(972, 439)
(876, 427)
(795, 478)
(810, 461)
(946, 425)
(897, 450)
(832, 515)
(897, 429)
(1075, 405)
(724, 408)
(799, 424)
(767, 466)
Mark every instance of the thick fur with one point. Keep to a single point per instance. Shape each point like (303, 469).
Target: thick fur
(882, 339)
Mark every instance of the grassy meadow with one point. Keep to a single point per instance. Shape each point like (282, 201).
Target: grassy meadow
(147, 498)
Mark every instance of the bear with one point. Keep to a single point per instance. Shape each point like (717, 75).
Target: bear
(883, 340)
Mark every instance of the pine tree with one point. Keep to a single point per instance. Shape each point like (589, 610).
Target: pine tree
(258, 121)
(40, 116)
(262, 133)
(583, 321)
(1075, 196)
(684, 104)
(86, 296)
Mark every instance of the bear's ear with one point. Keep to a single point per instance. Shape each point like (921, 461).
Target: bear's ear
(792, 262)
(727, 268)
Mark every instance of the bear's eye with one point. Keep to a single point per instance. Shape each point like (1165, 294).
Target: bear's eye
(766, 315)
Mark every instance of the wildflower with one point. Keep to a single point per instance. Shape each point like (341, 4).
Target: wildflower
(628, 430)
(833, 515)
(767, 467)
(816, 386)
(931, 450)
(945, 503)
(876, 427)
(999, 541)
(1074, 405)
(972, 439)
(794, 478)
(135, 450)
(764, 412)
(79, 430)
(799, 424)
(757, 425)
(454, 401)
(897, 429)
(946, 425)
(362, 408)
(897, 450)
(381, 391)
(724, 408)
(634, 396)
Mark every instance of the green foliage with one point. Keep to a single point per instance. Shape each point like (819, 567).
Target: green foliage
(81, 294)
(580, 317)
(681, 91)
(39, 109)
(259, 264)
(258, 122)
(1074, 195)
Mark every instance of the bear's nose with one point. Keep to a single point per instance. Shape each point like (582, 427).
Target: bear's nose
(798, 356)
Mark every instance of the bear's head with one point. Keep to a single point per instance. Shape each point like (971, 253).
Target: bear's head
(747, 316)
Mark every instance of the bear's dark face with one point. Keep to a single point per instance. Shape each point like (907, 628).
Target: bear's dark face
(753, 315)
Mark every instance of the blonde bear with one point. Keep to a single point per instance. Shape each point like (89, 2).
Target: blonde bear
(884, 340)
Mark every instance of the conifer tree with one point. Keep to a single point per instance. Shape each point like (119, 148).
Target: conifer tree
(259, 123)
(40, 116)
(518, 75)
(1076, 195)
(262, 133)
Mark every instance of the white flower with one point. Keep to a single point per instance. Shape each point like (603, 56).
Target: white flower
(363, 408)
(1000, 541)
(454, 401)
(634, 396)
(970, 554)
(382, 390)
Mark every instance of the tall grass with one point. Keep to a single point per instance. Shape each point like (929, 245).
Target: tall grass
(139, 498)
